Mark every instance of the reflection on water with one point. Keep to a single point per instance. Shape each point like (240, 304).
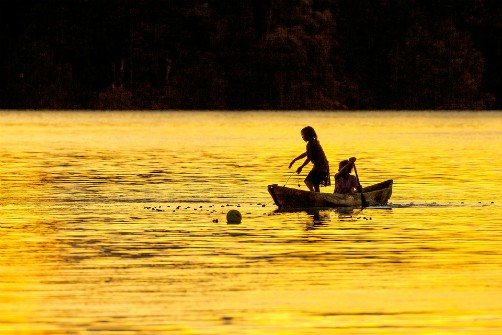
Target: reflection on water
(116, 223)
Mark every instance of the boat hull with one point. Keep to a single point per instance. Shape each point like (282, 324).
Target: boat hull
(286, 197)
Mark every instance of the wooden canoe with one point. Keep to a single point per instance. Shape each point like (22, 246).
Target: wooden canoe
(286, 197)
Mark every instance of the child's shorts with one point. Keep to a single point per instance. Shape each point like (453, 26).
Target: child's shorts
(318, 177)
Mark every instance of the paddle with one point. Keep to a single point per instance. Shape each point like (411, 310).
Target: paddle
(364, 203)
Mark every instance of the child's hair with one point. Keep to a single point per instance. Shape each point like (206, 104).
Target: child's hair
(342, 164)
(309, 133)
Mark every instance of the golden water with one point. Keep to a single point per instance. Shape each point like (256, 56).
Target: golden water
(107, 225)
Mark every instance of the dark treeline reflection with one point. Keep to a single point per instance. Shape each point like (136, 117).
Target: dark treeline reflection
(250, 54)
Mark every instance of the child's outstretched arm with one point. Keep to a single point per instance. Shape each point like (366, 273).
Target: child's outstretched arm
(297, 158)
(299, 170)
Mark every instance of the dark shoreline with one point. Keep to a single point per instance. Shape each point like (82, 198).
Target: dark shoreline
(250, 55)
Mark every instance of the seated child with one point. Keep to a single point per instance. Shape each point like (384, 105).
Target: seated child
(345, 183)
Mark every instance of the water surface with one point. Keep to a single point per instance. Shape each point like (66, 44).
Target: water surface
(114, 223)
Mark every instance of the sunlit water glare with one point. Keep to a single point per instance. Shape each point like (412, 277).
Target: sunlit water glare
(114, 223)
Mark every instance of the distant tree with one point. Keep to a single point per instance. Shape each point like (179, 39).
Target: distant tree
(296, 60)
(487, 35)
(437, 68)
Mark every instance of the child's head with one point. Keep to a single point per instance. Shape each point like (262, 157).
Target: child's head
(342, 164)
(308, 133)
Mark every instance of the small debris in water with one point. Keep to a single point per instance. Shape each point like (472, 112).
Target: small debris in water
(227, 319)
(215, 220)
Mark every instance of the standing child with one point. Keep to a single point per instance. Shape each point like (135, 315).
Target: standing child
(320, 172)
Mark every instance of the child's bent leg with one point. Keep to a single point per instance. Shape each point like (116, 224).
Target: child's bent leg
(310, 185)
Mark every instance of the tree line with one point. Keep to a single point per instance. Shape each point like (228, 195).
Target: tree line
(250, 54)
